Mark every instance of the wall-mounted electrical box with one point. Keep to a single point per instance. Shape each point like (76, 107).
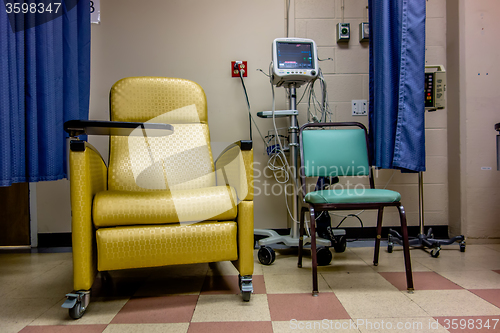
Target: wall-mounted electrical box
(343, 32)
(435, 87)
(359, 107)
(364, 32)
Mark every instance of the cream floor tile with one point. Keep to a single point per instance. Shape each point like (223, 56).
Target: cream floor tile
(406, 324)
(341, 262)
(99, 311)
(366, 253)
(388, 304)
(347, 261)
(286, 265)
(474, 279)
(495, 247)
(147, 328)
(293, 283)
(20, 270)
(397, 266)
(10, 282)
(56, 282)
(344, 326)
(33, 259)
(446, 264)
(452, 303)
(475, 250)
(344, 282)
(390, 262)
(19, 312)
(213, 308)
(490, 262)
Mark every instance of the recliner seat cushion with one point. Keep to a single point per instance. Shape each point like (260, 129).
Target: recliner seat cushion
(121, 208)
(172, 244)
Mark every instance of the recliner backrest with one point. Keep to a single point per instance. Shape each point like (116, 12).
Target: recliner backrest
(182, 160)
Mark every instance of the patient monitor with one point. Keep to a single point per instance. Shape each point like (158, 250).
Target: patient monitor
(295, 60)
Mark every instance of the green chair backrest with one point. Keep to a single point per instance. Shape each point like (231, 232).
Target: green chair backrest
(334, 152)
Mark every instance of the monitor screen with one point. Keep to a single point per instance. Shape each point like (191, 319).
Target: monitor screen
(295, 55)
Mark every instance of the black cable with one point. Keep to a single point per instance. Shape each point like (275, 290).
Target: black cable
(351, 215)
(248, 104)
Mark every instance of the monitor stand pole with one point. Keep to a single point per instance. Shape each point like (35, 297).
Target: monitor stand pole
(266, 253)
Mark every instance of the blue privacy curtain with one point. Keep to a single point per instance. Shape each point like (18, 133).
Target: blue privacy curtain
(397, 66)
(44, 81)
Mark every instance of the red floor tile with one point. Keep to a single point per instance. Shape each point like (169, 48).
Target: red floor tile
(232, 327)
(470, 324)
(284, 307)
(490, 295)
(64, 329)
(228, 284)
(421, 281)
(165, 309)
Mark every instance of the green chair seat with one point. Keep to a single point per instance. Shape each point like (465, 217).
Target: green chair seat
(346, 196)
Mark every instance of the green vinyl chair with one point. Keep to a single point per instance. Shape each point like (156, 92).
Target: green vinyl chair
(341, 149)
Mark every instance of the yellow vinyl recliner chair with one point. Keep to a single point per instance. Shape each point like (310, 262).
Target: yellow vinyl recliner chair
(161, 200)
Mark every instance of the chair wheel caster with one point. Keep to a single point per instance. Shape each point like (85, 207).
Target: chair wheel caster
(340, 245)
(435, 252)
(246, 296)
(246, 287)
(390, 247)
(462, 246)
(77, 303)
(77, 311)
(266, 255)
(324, 256)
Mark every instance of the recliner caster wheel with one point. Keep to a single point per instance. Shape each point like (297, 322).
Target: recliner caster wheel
(324, 256)
(266, 255)
(390, 247)
(340, 245)
(462, 246)
(246, 296)
(77, 311)
(435, 252)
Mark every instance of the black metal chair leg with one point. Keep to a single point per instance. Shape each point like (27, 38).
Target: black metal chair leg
(379, 235)
(301, 236)
(406, 248)
(313, 250)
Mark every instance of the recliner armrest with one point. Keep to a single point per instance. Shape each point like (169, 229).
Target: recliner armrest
(88, 175)
(101, 127)
(234, 167)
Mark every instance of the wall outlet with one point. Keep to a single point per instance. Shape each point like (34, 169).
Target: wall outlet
(359, 107)
(237, 66)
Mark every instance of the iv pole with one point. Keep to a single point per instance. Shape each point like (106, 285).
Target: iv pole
(266, 253)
